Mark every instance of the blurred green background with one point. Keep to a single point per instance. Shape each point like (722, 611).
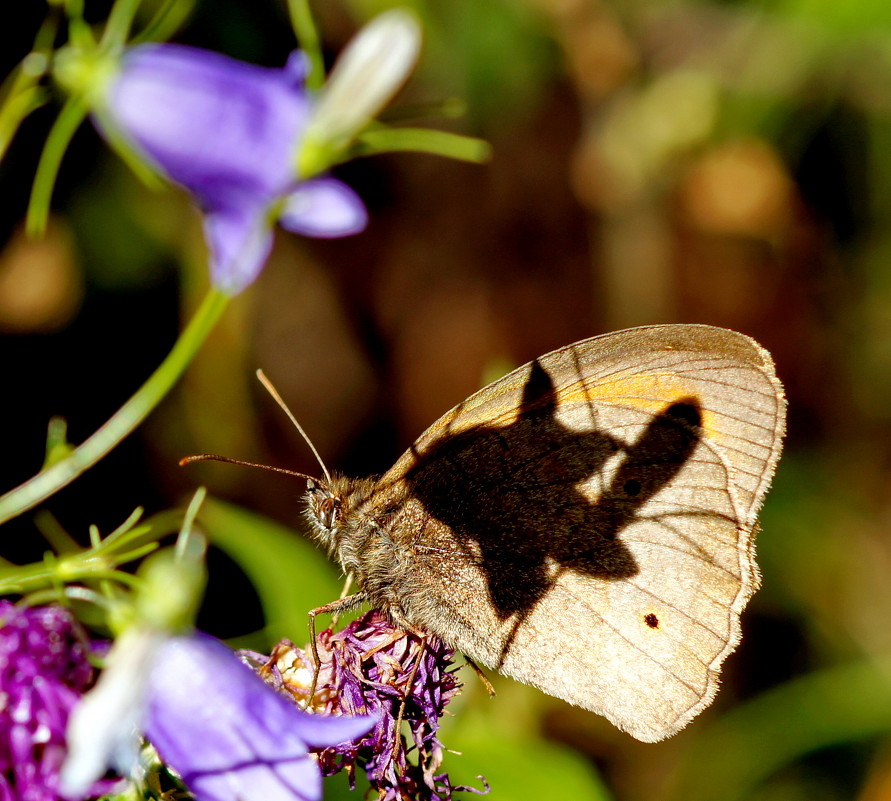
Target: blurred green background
(713, 162)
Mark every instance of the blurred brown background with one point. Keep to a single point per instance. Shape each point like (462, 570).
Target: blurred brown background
(713, 162)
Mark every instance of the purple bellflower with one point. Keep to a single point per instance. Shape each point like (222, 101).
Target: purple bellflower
(368, 667)
(104, 727)
(226, 733)
(229, 735)
(229, 132)
(43, 673)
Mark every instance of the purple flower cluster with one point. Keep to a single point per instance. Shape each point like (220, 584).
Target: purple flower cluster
(366, 668)
(43, 672)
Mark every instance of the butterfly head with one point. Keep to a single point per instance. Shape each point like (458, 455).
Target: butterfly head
(324, 509)
(336, 509)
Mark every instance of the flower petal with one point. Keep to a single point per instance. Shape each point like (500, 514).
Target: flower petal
(229, 735)
(104, 727)
(329, 730)
(240, 240)
(297, 780)
(218, 126)
(324, 207)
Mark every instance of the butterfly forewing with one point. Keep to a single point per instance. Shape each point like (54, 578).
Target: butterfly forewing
(585, 523)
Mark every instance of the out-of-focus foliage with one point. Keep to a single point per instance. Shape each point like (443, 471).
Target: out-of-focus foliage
(715, 162)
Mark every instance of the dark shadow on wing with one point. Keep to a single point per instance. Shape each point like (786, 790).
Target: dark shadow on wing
(512, 491)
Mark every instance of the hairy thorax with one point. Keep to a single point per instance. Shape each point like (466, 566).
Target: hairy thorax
(357, 533)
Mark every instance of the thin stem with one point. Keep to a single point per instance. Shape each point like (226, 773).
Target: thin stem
(35, 576)
(59, 540)
(166, 21)
(308, 39)
(136, 553)
(182, 542)
(153, 529)
(120, 20)
(70, 117)
(80, 34)
(122, 422)
(422, 140)
(127, 527)
(21, 90)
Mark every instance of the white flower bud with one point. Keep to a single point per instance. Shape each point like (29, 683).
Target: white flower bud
(366, 76)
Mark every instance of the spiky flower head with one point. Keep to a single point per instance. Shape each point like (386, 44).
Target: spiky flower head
(44, 670)
(373, 666)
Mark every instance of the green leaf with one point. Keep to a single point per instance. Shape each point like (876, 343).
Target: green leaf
(735, 756)
(497, 738)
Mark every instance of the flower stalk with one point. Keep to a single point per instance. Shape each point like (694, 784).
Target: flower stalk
(305, 30)
(123, 422)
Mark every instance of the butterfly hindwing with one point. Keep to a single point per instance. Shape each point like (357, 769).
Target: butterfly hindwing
(585, 524)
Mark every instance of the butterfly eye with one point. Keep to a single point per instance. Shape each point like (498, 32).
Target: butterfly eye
(329, 512)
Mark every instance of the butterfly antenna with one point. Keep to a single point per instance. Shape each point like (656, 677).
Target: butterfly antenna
(212, 457)
(278, 399)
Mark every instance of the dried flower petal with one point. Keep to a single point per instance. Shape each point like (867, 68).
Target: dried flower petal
(368, 667)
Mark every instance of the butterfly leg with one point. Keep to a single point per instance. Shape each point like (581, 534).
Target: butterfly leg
(395, 635)
(481, 675)
(408, 628)
(337, 607)
(422, 635)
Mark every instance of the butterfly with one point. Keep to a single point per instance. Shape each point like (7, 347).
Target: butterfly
(584, 524)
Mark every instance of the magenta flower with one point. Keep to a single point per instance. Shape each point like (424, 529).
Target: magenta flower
(43, 672)
(228, 734)
(366, 667)
(229, 132)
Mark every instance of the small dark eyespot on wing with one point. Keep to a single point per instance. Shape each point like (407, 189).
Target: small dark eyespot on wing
(632, 487)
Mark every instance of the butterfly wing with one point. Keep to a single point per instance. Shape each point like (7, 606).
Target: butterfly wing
(585, 524)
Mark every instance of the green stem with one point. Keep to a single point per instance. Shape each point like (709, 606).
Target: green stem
(308, 39)
(70, 117)
(21, 91)
(124, 421)
(117, 29)
(166, 21)
(422, 140)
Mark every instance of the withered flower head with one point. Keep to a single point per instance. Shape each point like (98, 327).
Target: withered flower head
(371, 666)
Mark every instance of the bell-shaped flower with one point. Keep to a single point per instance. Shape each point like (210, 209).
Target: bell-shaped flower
(228, 734)
(229, 132)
